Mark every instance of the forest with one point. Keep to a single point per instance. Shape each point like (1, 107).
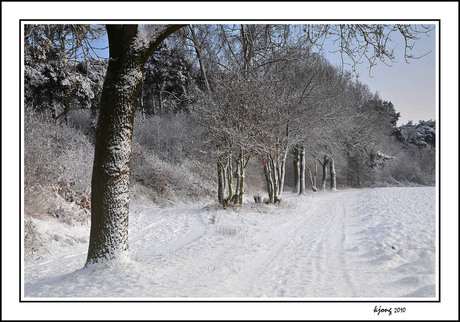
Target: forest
(232, 114)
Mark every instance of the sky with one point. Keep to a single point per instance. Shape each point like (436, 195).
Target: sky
(411, 87)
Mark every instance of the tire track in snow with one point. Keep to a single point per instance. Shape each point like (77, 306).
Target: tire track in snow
(333, 266)
(302, 263)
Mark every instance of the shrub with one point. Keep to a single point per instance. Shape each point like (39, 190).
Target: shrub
(57, 169)
(168, 160)
(411, 167)
(166, 182)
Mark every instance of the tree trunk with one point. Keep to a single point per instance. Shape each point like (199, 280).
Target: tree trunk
(273, 168)
(332, 174)
(229, 179)
(315, 175)
(241, 176)
(141, 104)
(324, 180)
(54, 113)
(220, 181)
(302, 170)
(269, 179)
(160, 102)
(110, 183)
(236, 197)
(282, 174)
(296, 164)
(312, 177)
(152, 94)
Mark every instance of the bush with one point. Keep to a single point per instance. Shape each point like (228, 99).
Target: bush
(168, 163)
(33, 241)
(411, 167)
(57, 169)
(166, 182)
(173, 137)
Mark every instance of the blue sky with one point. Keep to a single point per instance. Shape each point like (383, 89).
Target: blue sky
(411, 87)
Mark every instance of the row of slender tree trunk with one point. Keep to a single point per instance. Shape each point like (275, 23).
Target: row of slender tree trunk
(230, 190)
(300, 167)
(231, 172)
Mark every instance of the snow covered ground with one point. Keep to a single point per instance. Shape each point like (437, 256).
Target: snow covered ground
(349, 244)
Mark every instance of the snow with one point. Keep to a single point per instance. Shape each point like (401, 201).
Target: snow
(146, 35)
(352, 244)
(129, 80)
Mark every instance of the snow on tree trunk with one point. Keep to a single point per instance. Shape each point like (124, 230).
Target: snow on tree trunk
(312, 176)
(332, 174)
(282, 173)
(275, 177)
(269, 179)
(274, 171)
(302, 170)
(110, 185)
(240, 163)
(111, 176)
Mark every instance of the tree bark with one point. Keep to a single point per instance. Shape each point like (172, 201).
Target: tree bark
(141, 104)
(152, 94)
(273, 168)
(110, 183)
(296, 164)
(282, 174)
(269, 178)
(315, 174)
(332, 174)
(220, 181)
(324, 180)
(160, 102)
(302, 170)
(229, 179)
(236, 196)
(241, 176)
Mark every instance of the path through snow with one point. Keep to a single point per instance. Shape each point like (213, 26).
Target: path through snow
(369, 243)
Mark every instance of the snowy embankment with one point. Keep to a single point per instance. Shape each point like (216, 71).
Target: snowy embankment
(370, 243)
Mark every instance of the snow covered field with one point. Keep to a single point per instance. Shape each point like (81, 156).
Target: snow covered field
(350, 244)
